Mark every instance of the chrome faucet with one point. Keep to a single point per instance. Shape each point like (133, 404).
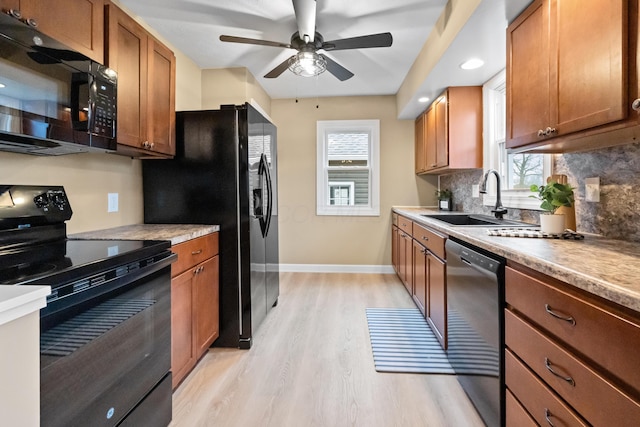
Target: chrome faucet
(499, 210)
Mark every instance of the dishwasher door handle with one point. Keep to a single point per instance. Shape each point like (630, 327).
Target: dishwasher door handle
(476, 266)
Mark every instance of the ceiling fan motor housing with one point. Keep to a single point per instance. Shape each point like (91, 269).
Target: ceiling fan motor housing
(299, 44)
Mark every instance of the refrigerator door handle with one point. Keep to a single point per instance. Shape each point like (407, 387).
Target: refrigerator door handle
(262, 173)
(269, 194)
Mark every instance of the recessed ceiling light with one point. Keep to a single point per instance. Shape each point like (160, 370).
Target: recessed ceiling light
(472, 64)
(423, 99)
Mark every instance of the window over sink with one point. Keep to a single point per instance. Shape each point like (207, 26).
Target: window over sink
(347, 172)
(517, 171)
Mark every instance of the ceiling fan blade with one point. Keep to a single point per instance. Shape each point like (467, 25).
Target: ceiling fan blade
(306, 18)
(372, 40)
(337, 70)
(278, 70)
(245, 40)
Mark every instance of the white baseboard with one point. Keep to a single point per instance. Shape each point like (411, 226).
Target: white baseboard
(336, 268)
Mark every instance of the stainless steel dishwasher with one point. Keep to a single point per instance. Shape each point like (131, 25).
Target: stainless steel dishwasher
(475, 328)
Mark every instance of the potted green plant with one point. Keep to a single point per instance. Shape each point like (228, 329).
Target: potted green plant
(444, 199)
(553, 196)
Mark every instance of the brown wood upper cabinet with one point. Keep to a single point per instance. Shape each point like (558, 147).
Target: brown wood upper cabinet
(421, 134)
(146, 87)
(449, 132)
(571, 73)
(77, 23)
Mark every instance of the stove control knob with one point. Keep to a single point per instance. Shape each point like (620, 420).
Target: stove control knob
(59, 200)
(41, 200)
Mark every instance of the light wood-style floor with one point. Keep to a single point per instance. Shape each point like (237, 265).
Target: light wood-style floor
(311, 365)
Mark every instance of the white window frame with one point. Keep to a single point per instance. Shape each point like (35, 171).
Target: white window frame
(493, 154)
(324, 127)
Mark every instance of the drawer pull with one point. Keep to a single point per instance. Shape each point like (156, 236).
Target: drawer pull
(568, 379)
(198, 252)
(547, 416)
(569, 319)
(425, 238)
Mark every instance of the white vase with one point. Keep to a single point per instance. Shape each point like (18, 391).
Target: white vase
(552, 223)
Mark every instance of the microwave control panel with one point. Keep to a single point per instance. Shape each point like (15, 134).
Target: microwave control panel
(103, 122)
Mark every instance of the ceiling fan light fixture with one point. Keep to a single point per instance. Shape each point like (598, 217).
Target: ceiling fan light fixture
(307, 64)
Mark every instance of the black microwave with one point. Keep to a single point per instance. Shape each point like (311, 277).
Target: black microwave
(53, 100)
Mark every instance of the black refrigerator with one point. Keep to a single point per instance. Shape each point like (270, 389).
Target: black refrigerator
(225, 173)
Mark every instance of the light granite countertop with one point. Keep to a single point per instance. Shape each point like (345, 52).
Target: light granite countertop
(607, 268)
(175, 233)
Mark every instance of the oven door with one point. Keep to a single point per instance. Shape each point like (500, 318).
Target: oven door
(101, 358)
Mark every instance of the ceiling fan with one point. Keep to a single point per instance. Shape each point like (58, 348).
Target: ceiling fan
(307, 41)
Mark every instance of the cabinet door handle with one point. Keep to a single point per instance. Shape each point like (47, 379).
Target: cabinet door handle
(569, 319)
(549, 131)
(199, 251)
(541, 133)
(547, 416)
(31, 22)
(635, 105)
(547, 364)
(425, 238)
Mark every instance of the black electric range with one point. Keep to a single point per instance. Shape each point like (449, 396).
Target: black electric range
(105, 336)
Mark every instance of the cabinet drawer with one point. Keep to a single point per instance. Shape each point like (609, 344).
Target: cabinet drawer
(536, 397)
(430, 239)
(598, 400)
(595, 331)
(405, 225)
(516, 415)
(193, 252)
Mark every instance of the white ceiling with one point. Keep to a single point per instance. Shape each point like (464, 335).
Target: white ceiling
(194, 27)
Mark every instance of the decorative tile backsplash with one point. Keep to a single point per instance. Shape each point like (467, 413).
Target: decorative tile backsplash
(616, 216)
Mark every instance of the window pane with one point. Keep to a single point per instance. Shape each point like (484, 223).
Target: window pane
(360, 180)
(340, 195)
(346, 147)
(524, 170)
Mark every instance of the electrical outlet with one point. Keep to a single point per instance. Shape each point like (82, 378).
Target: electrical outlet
(592, 189)
(112, 202)
(475, 190)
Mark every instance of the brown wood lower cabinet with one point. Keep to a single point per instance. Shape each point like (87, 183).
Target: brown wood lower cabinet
(436, 270)
(420, 263)
(570, 357)
(194, 303)
(420, 277)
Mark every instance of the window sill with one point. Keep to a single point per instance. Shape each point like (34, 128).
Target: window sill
(347, 211)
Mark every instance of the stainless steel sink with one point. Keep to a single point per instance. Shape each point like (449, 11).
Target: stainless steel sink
(477, 220)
